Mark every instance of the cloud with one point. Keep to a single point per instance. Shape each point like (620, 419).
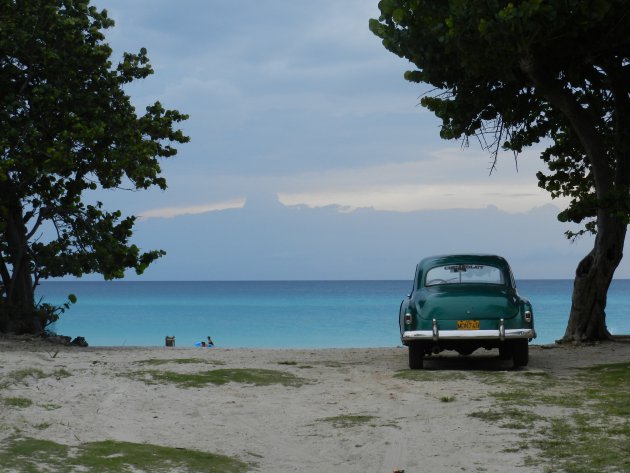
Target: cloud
(410, 198)
(170, 212)
(440, 179)
(446, 179)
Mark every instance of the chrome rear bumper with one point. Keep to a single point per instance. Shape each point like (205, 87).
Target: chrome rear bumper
(500, 334)
(412, 335)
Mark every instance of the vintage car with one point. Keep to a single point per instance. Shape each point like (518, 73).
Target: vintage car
(465, 302)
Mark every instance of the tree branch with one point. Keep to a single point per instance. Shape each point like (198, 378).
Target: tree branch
(581, 119)
(38, 223)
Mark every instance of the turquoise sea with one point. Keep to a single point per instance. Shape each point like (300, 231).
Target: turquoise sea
(278, 314)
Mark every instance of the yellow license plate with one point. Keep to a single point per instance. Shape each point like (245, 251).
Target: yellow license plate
(467, 325)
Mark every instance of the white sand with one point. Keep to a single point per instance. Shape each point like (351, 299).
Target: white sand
(282, 429)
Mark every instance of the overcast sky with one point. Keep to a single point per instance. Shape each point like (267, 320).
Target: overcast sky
(299, 100)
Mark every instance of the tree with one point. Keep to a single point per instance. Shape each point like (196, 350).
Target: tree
(516, 73)
(68, 128)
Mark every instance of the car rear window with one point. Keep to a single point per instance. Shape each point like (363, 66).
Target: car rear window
(464, 274)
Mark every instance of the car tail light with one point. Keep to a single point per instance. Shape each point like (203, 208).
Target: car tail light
(408, 318)
(528, 316)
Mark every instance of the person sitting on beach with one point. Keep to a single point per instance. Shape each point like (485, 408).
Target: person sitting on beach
(208, 344)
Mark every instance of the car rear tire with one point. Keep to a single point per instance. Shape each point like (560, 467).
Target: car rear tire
(416, 356)
(520, 352)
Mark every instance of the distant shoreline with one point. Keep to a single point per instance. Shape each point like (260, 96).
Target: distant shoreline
(12, 341)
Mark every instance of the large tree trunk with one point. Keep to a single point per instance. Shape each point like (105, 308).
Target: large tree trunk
(587, 320)
(20, 315)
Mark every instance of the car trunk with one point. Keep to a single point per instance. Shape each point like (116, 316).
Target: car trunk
(469, 301)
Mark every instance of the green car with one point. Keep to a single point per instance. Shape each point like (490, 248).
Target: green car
(465, 302)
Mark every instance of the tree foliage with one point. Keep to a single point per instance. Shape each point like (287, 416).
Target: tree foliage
(492, 61)
(69, 128)
(513, 74)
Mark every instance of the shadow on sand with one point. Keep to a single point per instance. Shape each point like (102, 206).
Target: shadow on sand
(478, 361)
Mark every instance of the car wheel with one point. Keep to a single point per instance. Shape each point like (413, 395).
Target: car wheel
(520, 352)
(416, 356)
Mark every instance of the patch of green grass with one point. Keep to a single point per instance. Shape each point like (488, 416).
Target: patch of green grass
(50, 406)
(596, 437)
(523, 388)
(611, 375)
(27, 455)
(295, 363)
(491, 415)
(257, 377)
(561, 400)
(520, 419)
(31, 455)
(577, 445)
(590, 434)
(178, 361)
(447, 399)
(61, 373)
(609, 388)
(520, 396)
(22, 376)
(509, 418)
(492, 378)
(347, 420)
(20, 402)
(19, 376)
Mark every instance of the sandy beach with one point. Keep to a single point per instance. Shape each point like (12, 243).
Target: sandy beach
(344, 410)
